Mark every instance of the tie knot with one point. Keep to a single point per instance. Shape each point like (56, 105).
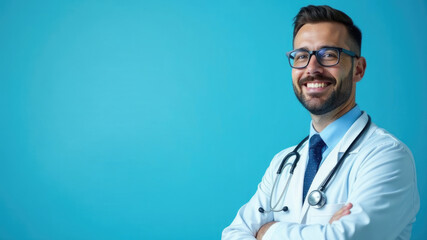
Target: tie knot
(316, 142)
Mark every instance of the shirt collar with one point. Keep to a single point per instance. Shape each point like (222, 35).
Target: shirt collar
(332, 134)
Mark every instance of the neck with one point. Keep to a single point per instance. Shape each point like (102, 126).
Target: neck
(320, 122)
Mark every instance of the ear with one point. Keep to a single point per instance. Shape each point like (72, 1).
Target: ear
(360, 67)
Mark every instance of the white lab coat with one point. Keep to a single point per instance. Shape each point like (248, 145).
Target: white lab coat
(377, 177)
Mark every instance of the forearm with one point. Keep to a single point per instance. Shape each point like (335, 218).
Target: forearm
(248, 219)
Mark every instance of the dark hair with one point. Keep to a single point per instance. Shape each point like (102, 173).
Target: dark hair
(315, 14)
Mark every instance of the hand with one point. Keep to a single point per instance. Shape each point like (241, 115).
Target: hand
(263, 230)
(345, 210)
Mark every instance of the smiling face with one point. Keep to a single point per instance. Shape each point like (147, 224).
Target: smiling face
(321, 89)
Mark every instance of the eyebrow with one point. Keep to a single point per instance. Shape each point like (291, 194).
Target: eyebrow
(324, 46)
(327, 46)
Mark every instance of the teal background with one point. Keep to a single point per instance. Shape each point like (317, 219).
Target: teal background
(157, 119)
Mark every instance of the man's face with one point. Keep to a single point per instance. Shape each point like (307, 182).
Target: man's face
(324, 89)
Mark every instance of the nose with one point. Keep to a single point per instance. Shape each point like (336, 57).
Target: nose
(314, 66)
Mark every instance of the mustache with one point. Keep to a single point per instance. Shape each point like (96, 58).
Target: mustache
(317, 77)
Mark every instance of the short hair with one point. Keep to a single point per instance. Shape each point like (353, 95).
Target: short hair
(316, 14)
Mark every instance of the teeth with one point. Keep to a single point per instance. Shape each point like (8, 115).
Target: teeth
(316, 85)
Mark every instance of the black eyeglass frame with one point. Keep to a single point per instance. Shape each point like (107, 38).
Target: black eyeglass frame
(315, 53)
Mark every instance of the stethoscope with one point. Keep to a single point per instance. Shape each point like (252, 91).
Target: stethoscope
(316, 198)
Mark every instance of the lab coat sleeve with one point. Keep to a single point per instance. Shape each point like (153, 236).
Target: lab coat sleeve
(384, 196)
(249, 220)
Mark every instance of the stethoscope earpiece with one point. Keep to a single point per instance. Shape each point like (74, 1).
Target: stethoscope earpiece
(284, 209)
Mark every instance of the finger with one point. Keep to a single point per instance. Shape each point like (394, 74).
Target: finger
(348, 206)
(344, 211)
(341, 210)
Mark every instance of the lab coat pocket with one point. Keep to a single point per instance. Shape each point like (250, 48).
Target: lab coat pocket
(322, 215)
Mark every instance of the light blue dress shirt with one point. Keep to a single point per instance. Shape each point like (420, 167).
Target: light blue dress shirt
(334, 132)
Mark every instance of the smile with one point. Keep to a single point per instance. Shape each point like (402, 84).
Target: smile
(316, 85)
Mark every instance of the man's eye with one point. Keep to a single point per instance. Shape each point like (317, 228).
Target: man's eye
(329, 54)
(300, 57)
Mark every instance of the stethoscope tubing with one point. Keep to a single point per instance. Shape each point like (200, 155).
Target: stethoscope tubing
(273, 208)
(325, 182)
(289, 155)
(322, 186)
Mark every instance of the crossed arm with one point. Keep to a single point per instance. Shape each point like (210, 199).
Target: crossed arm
(345, 210)
(382, 189)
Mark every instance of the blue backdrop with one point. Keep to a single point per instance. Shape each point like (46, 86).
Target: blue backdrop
(157, 119)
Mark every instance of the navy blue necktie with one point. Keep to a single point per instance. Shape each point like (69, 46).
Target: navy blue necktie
(316, 146)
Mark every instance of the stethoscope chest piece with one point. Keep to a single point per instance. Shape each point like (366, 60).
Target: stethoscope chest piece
(317, 199)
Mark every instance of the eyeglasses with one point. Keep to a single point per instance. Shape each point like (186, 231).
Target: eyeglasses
(327, 56)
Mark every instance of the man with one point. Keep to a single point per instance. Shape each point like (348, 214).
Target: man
(371, 192)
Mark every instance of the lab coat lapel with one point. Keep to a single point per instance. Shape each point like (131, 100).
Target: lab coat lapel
(352, 134)
(332, 159)
(294, 198)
